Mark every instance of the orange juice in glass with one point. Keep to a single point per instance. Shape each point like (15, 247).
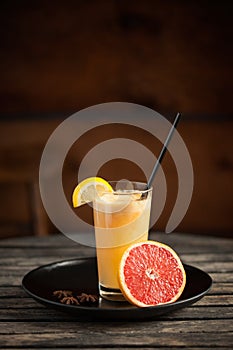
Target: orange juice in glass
(121, 218)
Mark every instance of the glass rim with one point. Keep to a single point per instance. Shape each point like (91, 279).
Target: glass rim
(129, 191)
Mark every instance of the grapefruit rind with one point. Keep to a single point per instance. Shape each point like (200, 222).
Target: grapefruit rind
(123, 285)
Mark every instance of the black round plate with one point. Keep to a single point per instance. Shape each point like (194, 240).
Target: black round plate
(80, 275)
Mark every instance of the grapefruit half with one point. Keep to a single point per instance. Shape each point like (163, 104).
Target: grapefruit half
(151, 273)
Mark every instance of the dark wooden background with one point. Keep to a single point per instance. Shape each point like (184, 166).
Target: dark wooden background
(59, 57)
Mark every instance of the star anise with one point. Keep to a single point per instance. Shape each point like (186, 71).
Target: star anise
(60, 294)
(69, 301)
(87, 298)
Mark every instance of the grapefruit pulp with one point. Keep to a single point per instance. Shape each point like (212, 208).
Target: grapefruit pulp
(151, 273)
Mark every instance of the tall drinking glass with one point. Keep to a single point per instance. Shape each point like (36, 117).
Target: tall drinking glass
(121, 218)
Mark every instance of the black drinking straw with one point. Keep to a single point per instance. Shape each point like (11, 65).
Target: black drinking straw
(163, 151)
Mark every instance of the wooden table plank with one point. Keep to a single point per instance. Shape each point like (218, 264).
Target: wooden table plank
(204, 325)
(120, 348)
(122, 339)
(130, 348)
(25, 266)
(115, 329)
(17, 257)
(138, 348)
(184, 243)
(41, 313)
(27, 256)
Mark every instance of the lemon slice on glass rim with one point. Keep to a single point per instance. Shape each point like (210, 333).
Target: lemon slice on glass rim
(87, 190)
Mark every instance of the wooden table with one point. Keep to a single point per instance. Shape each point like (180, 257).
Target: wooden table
(24, 323)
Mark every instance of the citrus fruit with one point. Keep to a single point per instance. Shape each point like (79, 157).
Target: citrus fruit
(87, 190)
(151, 273)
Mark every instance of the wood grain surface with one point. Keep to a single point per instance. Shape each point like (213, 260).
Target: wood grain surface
(26, 324)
